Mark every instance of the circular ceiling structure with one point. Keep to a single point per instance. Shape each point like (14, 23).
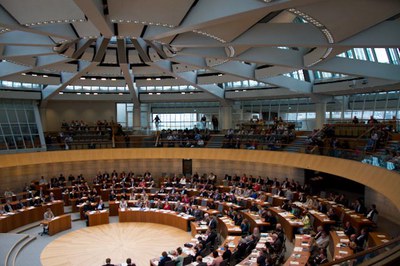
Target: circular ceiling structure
(270, 48)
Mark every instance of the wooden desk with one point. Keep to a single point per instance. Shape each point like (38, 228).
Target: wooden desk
(254, 220)
(98, 217)
(227, 227)
(301, 251)
(339, 245)
(170, 218)
(377, 238)
(28, 215)
(357, 220)
(321, 219)
(58, 224)
(251, 260)
(197, 228)
(288, 221)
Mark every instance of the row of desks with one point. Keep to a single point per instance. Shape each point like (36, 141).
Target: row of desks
(13, 220)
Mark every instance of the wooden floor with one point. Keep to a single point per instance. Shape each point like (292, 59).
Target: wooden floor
(118, 241)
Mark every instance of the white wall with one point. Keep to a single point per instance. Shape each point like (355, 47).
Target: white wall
(88, 111)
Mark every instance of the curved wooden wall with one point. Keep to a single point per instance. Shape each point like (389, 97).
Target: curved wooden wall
(381, 180)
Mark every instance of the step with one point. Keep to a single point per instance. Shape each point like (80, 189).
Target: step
(16, 249)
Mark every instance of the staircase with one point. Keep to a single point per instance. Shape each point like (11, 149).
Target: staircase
(215, 141)
(296, 145)
(16, 248)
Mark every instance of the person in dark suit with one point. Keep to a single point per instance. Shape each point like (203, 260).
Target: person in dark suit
(164, 258)
(348, 229)
(100, 205)
(227, 253)
(362, 239)
(199, 260)
(372, 214)
(213, 223)
(8, 207)
(108, 262)
(129, 262)
(212, 235)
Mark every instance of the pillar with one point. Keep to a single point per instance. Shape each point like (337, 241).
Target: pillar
(136, 117)
(226, 114)
(320, 114)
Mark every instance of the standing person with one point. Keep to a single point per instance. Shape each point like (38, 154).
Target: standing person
(157, 121)
(214, 121)
(203, 121)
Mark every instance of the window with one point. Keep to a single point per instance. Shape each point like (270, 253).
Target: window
(177, 121)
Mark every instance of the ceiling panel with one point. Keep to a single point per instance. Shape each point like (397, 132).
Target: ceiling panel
(86, 29)
(130, 29)
(42, 10)
(155, 11)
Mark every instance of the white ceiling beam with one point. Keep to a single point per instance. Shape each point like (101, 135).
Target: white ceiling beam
(383, 35)
(191, 79)
(25, 39)
(290, 83)
(141, 47)
(93, 10)
(9, 69)
(272, 56)
(67, 78)
(18, 51)
(81, 47)
(272, 71)
(361, 68)
(207, 13)
(236, 68)
(6, 21)
(130, 82)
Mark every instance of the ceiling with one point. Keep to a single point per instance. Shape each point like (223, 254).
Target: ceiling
(202, 44)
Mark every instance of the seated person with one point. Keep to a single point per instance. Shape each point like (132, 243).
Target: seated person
(217, 259)
(319, 259)
(129, 262)
(227, 253)
(47, 216)
(199, 261)
(348, 229)
(321, 242)
(164, 258)
(108, 262)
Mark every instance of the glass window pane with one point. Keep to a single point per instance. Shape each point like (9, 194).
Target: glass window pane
(12, 116)
(381, 55)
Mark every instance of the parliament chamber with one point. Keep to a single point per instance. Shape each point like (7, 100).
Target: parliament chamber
(188, 132)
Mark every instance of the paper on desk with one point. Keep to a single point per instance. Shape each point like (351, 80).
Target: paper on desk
(294, 263)
(343, 252)
(344, 240)
(298, 249)
(381, 236)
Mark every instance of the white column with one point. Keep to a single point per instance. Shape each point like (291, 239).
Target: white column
(226, 117)
(136, 117)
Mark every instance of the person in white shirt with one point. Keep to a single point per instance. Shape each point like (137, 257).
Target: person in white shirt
(123, 204)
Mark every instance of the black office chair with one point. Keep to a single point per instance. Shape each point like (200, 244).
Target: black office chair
(170, 263)
(187, 260)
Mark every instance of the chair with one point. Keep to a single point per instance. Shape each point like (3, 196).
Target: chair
(170, 263)
(223, 263)
(187, 260)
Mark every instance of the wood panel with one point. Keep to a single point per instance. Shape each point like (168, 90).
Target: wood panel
(384, 181)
